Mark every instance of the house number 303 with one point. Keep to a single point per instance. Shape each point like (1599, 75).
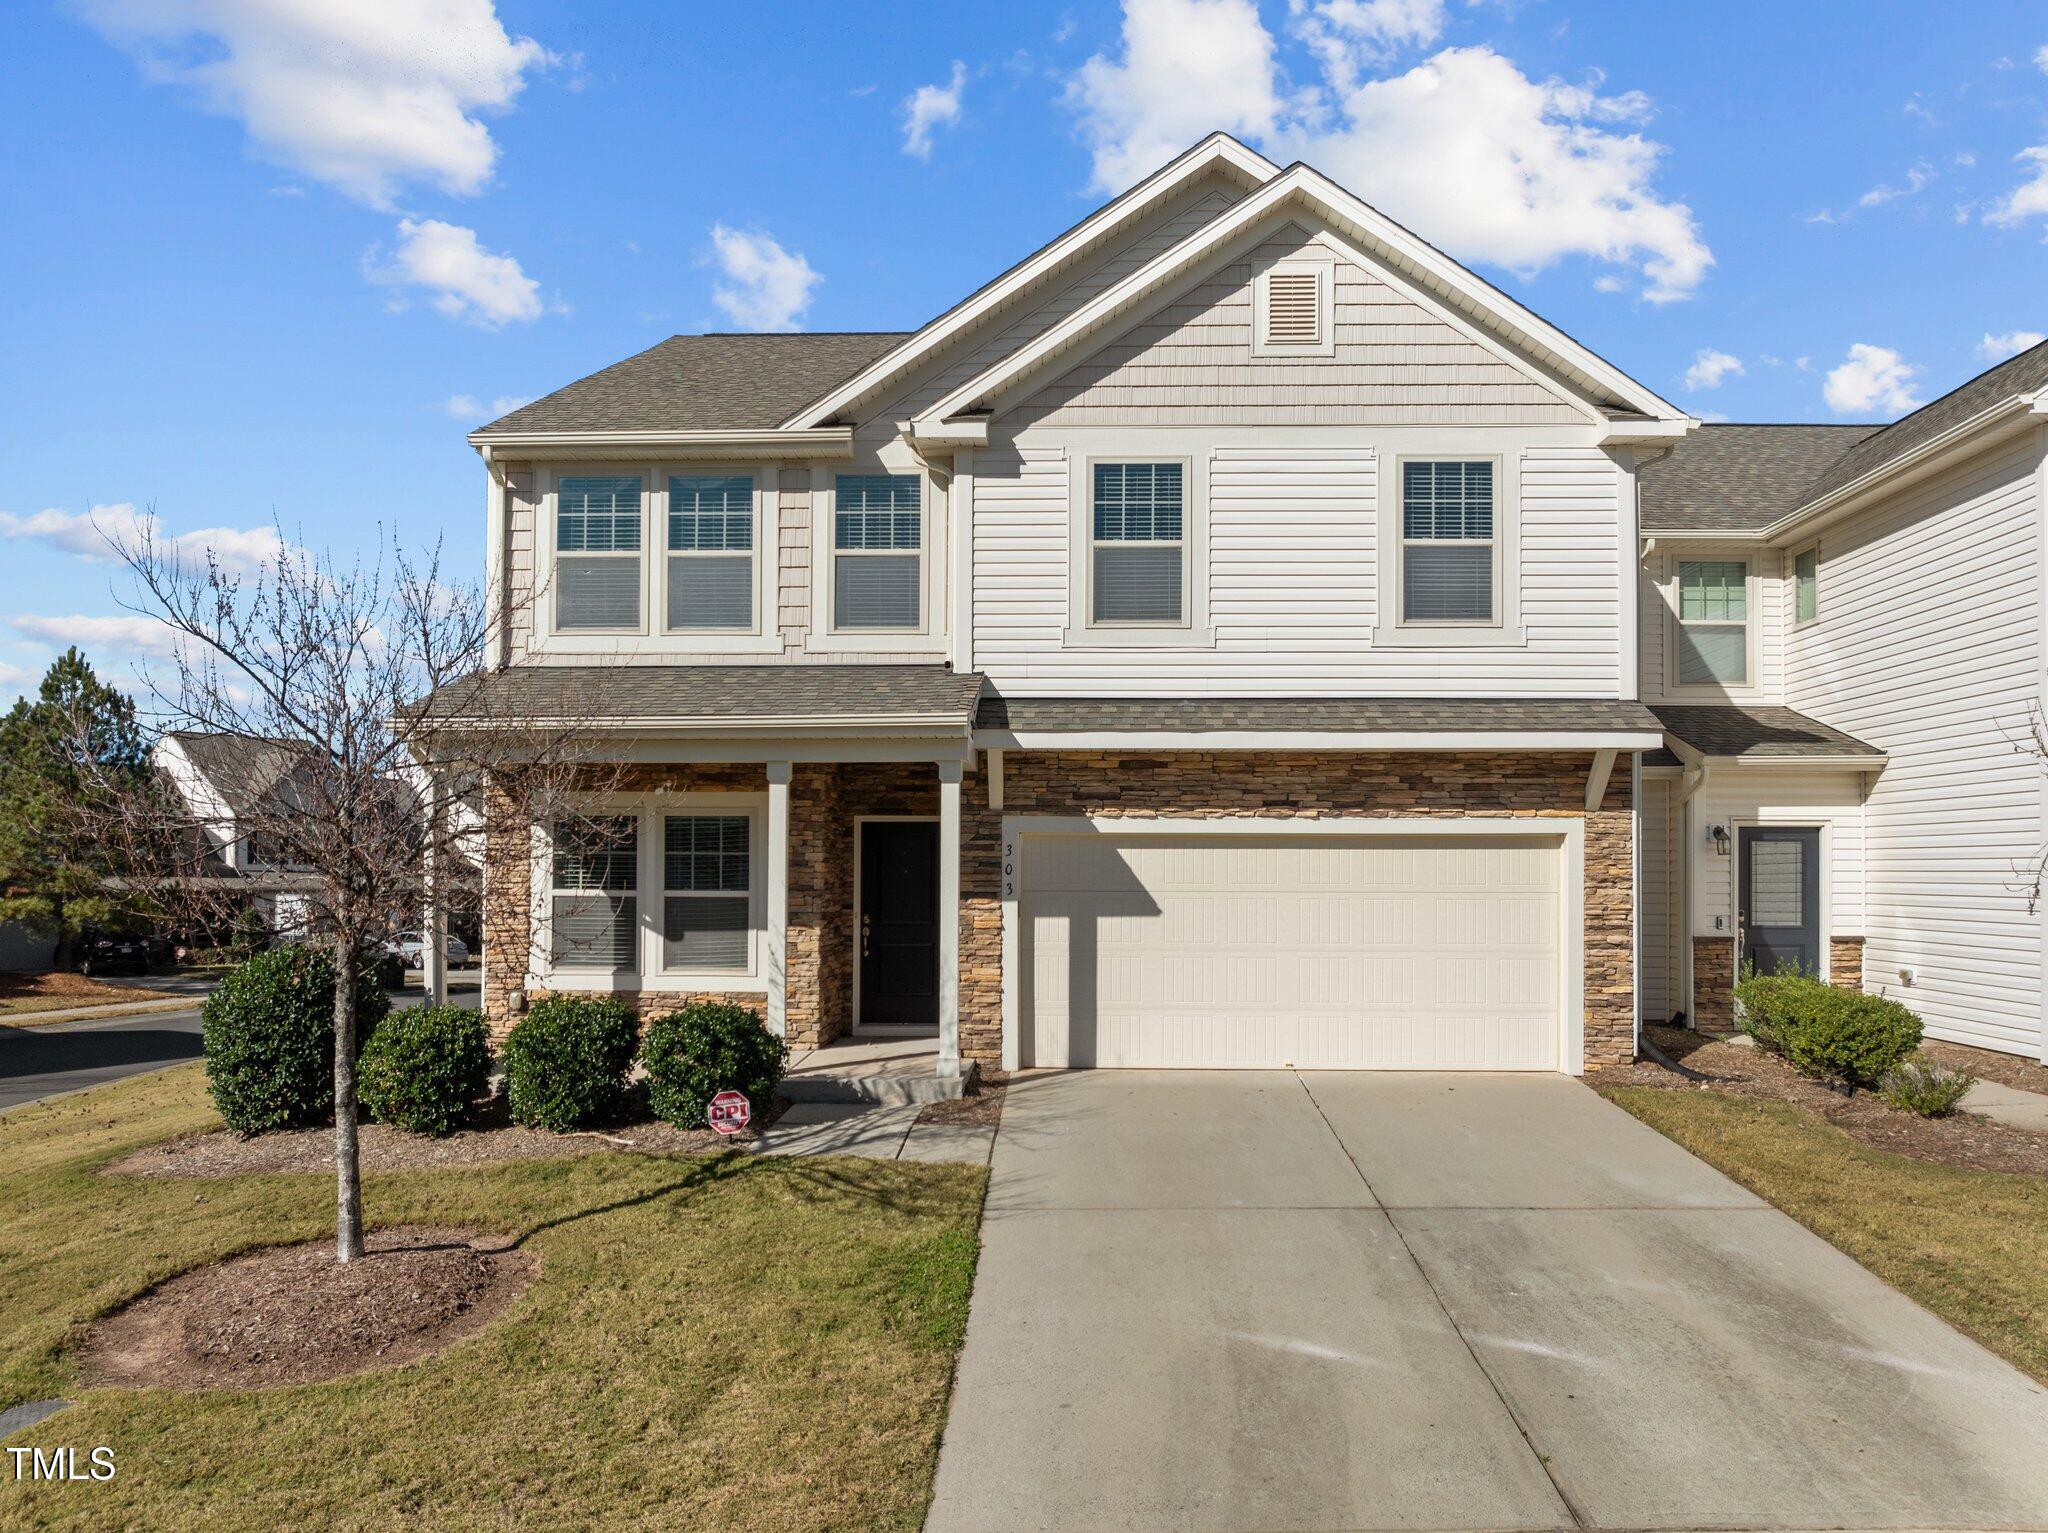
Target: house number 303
(1009, 868)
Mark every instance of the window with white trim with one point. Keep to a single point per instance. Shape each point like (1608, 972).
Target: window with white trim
(1138, 544)
(877, 552)
(707, 886)
(593, 903)
(597, 552)
(1713, 623)
(711, 552)
(1449, 545)
(1806, 585)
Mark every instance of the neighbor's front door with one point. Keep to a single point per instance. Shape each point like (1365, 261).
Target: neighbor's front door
(899, 923)
(1781, 899)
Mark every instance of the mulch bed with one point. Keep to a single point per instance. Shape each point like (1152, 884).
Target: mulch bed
(982, 1109)
(1736, 1070)
(59, 990)
(384, 1148)
(1990, 1065)
(294, 1315)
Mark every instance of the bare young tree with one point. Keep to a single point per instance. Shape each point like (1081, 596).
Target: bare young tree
(356, 695)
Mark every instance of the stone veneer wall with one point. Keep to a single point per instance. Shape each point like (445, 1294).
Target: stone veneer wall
(1197, 785)
(1713, 982)
(1845, 962)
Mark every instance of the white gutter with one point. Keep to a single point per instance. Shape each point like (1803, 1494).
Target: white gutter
(1690, 782)
(830, 725)
(1315, 740)
(815, 441)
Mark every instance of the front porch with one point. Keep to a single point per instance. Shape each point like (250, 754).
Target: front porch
(822, 894)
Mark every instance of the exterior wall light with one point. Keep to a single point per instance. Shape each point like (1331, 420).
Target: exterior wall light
(1718, 836)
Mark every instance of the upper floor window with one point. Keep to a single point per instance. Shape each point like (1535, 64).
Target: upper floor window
(711, 551)
(707, 880)
(1448, 544)
(1138, 547)
(1806, 585)
(877, 551)
(1713, 623)
(593, 906)
(597, 552)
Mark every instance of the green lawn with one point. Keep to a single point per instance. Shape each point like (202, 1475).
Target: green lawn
(1970, 1245)
(711, 1342)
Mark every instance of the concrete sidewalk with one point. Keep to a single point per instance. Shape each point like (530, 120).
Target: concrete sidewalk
(1229, 1302)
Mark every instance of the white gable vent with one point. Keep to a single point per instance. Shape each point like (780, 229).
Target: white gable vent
(1294, 310)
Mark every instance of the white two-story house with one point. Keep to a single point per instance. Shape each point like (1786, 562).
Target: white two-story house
(1238, 635)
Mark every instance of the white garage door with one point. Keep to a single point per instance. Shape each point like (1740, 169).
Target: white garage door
(1245, 952)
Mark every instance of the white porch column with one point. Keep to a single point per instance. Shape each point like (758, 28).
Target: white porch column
(776, 946)
(949, 918)
(434, 957)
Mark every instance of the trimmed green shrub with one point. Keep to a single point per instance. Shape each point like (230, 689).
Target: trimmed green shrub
(566, 1061)
(1836, 1035)
(269, 1031)
(1927, 1087)
(707, 1047)
(423, 1067)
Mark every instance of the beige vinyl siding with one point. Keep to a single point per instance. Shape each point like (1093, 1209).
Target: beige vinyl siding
(1928, 645)
(522, 514)
(1292, 582)
(1657, 915)
(1192, 364)
(1770, 608)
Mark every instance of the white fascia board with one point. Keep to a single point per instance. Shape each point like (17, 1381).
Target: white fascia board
(944, 436)
(1621, 433)
(1332, 201)
(1217, 149)
(1317, 740)
(1801, 763)
(823, 441)
(1703, 535)
(933, 725)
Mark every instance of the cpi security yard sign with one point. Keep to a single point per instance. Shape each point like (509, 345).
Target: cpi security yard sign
(730, 1112)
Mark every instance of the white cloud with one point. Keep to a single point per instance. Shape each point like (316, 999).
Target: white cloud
(367, 97)
(467, 407)
(240, 550)
(2030, 198)
(466, 281)
(1349, 35)
(135, 635)
(765, 286)
(14, 680)
(1917, 177)
(2041, 58)
(1874, 379)
(1710, 367)
(1463, 148)
(929, 108)
(1996, 348)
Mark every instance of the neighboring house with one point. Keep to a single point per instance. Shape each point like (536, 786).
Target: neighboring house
(1237, 635)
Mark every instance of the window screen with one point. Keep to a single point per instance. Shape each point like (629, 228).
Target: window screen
(710, 551)
(1806, 586)
(1447, 542)
(707, 868)
(593, 907)
(597, 552)
(1713, 622)
(1139, 519)
(877, 541)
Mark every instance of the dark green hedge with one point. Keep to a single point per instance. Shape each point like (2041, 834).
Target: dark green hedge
(1837, 1035)
(269, 1032)
(566, 1061)
(707, 1047)
(424, 1066)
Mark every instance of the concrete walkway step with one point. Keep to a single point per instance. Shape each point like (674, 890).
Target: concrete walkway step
(894, 1072)
(873, 1132)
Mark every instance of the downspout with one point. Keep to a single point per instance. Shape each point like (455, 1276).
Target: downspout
(1691, 780)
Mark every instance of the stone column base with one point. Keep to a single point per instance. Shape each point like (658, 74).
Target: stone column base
(1845, 962)
(1713, 982)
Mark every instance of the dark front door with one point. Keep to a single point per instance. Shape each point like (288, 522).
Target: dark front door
(1781, 899)
(899, 923)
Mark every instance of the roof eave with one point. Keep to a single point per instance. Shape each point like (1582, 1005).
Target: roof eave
(811, 442)
(1319, 740)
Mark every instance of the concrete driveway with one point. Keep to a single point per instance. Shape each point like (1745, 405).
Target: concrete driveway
(1346, 1301)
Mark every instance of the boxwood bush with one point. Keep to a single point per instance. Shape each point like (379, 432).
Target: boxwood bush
(269, 1033)
(707, 1047)
(423, 1067)
(566, 1061)
(1841, 1036)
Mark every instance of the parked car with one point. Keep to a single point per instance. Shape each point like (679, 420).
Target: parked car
(110, 952)
(412, 947)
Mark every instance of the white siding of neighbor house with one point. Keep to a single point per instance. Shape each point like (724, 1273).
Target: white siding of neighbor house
(1928, 645)
(1656, 616)
(1395, 363)
(1657, 916)
(1293, 579)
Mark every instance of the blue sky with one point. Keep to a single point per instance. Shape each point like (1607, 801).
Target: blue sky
(264, 268)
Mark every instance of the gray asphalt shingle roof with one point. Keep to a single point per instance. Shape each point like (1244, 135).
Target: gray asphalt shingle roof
(705, 383)
(1725, 478)
(1753, 733)
(1281, 714)
(714, 693)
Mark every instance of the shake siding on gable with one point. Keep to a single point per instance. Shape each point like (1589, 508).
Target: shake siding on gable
(1928, 645)
(1395, 363)
(1293, 583)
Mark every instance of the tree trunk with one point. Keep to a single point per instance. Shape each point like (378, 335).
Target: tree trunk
(348, 1176)
(61, 959)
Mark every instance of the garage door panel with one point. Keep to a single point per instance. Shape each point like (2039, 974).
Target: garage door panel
(1234, 952)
